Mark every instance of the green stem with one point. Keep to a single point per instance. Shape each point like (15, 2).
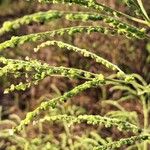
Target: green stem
(137, 20)
(145, 113)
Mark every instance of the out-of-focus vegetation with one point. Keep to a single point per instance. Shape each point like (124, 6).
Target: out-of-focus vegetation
(112, 115)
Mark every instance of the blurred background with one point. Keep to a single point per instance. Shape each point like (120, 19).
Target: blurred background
(132, 56)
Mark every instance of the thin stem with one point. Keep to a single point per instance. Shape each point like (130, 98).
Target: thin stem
(145, 113)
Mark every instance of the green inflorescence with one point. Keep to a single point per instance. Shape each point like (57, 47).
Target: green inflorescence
(122, 142)
(20, 68)
(83, 52)
(19, 40)
(40, 17)
(93, 120)
(30, 72)
(52, 103)
(101, 8)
